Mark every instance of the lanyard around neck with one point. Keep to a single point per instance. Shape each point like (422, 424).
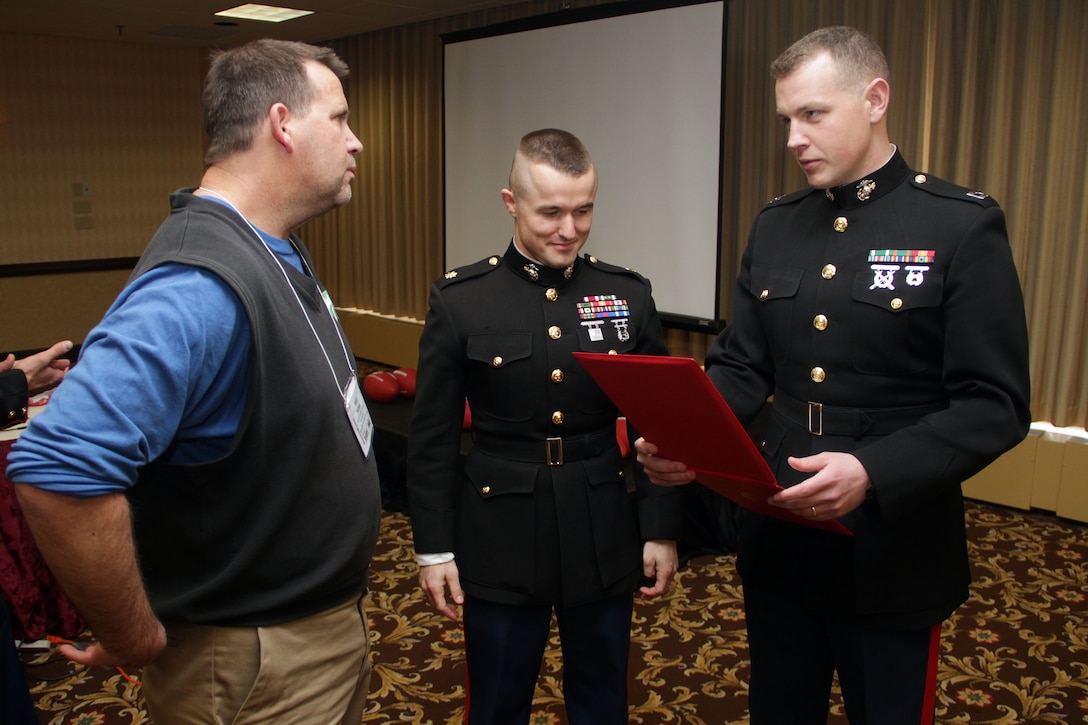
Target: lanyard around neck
(298, 300)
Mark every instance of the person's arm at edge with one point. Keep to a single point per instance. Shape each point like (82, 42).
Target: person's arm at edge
(84, 531)
(87, 542)
(433, 449)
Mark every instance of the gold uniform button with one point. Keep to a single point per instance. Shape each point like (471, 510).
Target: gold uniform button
(555, 332)
(493, 261)
(764, 294)
(592, 259)
(497, 360)
(920, 179)
(820, 322)
(829, 271)
(896, 303)
(557, 376)
(557, 417)
(818, 375)
(613, 352)
(841, 224)
(486, 489)
(552, 294)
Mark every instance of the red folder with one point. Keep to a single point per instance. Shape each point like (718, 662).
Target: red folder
(673, 404)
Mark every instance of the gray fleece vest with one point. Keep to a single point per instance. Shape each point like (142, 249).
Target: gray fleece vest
(285, 524)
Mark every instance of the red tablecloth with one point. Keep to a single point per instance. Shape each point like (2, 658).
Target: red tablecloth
(38, 606)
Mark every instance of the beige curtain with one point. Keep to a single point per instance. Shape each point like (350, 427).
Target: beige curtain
(1010, 108)
(989, 94)
(382, 251)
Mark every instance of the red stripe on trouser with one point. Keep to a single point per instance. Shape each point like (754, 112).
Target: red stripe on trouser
(929, 701)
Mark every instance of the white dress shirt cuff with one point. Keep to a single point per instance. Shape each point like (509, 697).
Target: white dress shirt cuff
(432, 559)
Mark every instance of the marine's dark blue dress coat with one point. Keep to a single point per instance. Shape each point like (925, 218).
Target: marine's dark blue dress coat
(500, 333)
(894, 303)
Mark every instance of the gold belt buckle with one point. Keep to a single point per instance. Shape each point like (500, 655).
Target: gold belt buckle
(815, 418)
(553, 454)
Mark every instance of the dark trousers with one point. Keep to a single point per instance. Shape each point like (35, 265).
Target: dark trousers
(16, 707)
(887, 677)
(504, 646)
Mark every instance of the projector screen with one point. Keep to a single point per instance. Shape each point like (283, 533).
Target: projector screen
(642, 90)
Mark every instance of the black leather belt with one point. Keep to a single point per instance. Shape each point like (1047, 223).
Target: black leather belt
(551, 451)
(820, 419)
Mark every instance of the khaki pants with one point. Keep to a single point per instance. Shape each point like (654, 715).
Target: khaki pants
(312, 671)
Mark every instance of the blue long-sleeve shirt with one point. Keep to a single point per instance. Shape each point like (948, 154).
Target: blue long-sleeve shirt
(163, 375)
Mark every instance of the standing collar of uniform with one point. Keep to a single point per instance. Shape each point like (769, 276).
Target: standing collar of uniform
(872, 186)
(536, 272)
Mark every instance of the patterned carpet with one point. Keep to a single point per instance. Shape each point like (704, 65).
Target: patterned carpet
(1017, 652)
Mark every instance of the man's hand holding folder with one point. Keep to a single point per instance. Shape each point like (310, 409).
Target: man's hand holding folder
(690, 434)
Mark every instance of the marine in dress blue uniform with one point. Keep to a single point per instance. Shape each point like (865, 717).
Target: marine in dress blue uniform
(544, 518)
(899, 295)
(883, 315)
(544, 515)
(912, 315)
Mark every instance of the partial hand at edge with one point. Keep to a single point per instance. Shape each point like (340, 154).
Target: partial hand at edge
(45, 369)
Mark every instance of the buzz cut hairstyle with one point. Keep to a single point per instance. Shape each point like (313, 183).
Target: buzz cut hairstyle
(561, 150)
(858, 58)
(244, 82)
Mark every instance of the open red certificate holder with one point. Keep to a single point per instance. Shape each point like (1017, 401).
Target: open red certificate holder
(673, 404)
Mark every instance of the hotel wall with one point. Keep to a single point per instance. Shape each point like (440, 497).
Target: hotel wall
(94, 136)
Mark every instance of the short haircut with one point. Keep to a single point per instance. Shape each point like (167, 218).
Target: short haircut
(857, 57)
(243, 83)
(560, 150)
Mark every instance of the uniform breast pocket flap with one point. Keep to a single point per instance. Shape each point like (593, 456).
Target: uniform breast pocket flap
(772, 283)
(898, 296)
(497, 375)
(498, 349)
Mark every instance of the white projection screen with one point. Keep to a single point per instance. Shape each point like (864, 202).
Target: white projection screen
(642, 89)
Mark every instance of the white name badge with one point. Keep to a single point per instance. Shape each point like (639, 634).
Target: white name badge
(359, 415)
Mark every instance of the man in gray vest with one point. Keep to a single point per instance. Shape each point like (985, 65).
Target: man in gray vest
(203, 485)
